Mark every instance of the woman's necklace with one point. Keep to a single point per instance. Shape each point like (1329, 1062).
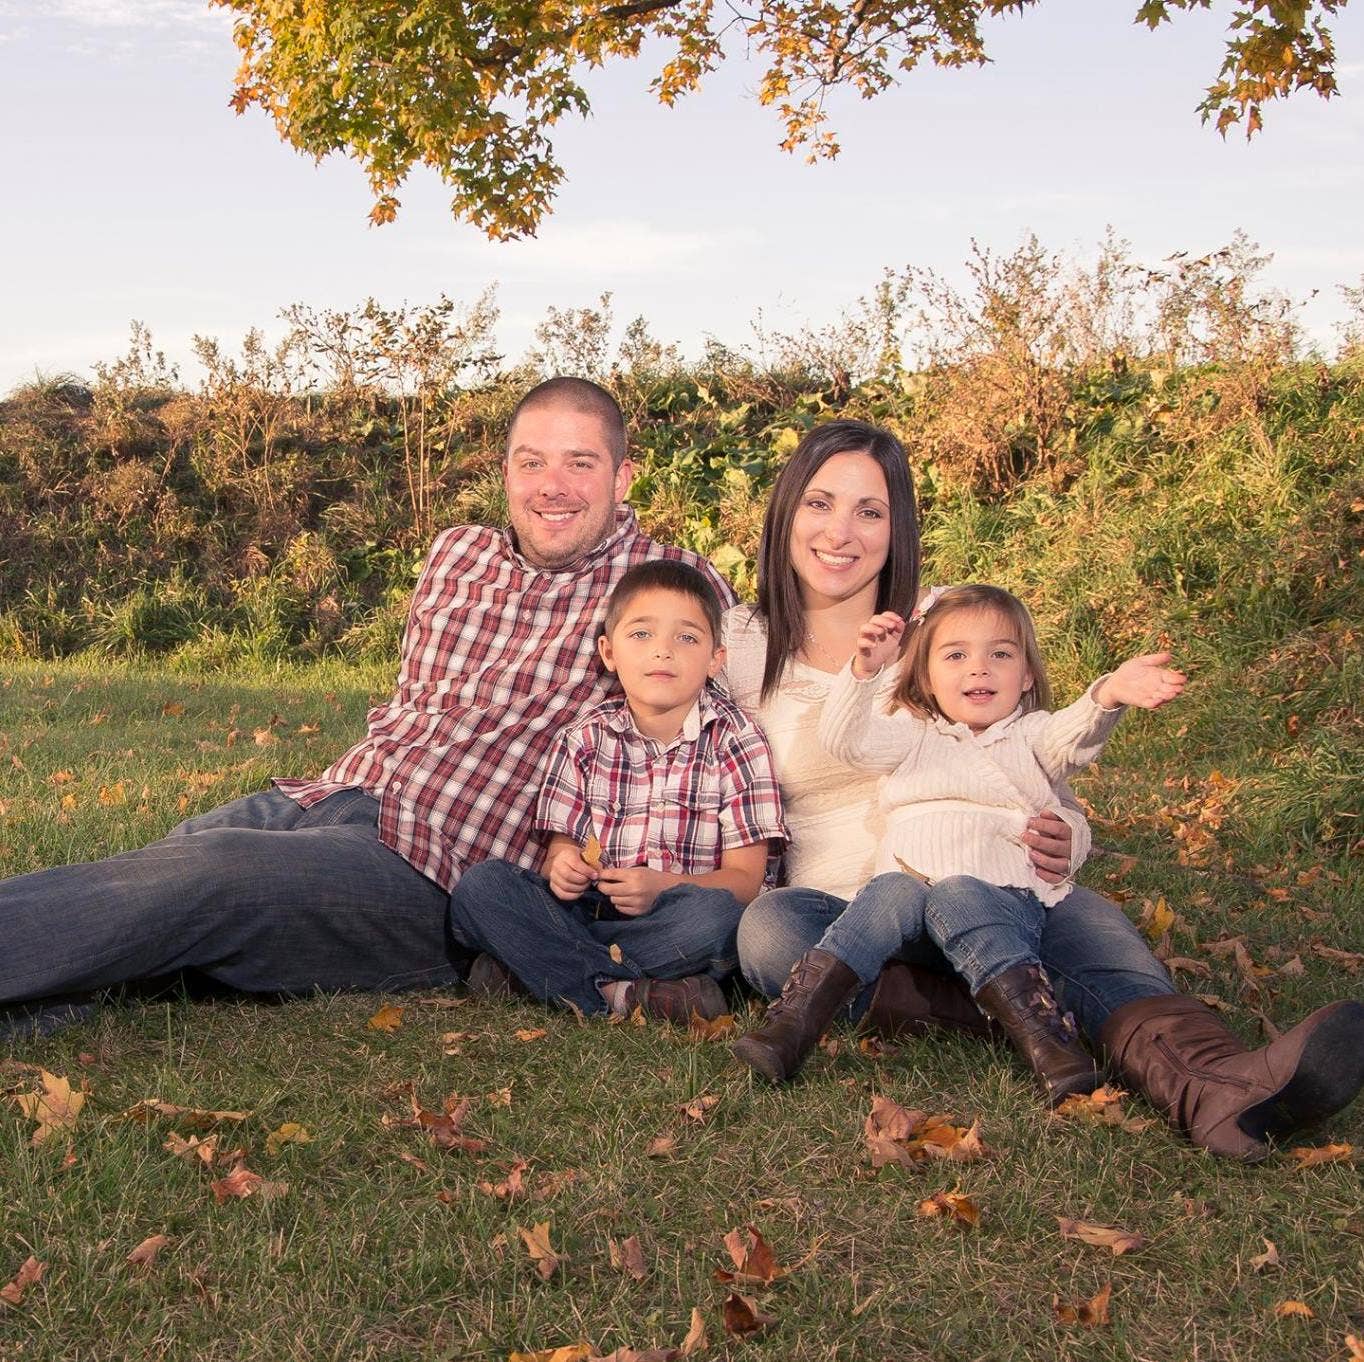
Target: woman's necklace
(818, 647)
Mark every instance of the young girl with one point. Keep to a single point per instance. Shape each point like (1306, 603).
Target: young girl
(972, 753)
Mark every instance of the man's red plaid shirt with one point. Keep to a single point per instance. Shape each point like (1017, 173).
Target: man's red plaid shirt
(674, 806)
(499, 656)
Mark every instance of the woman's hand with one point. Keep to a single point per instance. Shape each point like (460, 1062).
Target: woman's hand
(1142, 681)
(1047, 838)
(878, 642)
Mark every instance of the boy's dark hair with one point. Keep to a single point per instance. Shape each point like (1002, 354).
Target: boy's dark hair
(664, 574)
(578, 394)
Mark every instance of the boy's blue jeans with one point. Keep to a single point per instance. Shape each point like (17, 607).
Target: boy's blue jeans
(1095, 957)
(561, 950)
(260, 894)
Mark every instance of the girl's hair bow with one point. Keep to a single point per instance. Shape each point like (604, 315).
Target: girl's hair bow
(931, 597)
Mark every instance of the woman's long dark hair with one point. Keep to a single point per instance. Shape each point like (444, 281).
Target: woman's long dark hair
(897, 587)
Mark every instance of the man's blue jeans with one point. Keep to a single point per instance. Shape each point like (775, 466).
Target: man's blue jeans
(561, 950)
(260, 894)
(1095, 957)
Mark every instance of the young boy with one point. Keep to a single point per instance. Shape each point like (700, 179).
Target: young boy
(660, 805)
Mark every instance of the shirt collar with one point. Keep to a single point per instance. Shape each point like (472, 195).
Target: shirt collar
(993, 734)
(626, 527)
(702, 713)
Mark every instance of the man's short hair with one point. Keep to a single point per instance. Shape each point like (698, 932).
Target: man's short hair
(581, 395)
(665, 574)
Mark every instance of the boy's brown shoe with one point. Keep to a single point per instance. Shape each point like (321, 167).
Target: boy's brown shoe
(490, 978)
(677, 1000)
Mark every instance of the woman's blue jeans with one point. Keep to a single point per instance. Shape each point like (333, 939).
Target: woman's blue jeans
(1096, 958)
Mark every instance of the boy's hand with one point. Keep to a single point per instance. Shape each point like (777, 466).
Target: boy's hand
(1142, 681)
(878, 642)
(569, 876)
(633, 891)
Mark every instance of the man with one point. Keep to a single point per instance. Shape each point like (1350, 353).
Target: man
(342, 882)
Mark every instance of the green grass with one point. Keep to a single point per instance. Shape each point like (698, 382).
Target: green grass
(369, 1256)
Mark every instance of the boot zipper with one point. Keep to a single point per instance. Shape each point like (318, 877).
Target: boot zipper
(1210, 1075)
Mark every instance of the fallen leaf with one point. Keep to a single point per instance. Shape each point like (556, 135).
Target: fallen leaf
(172, 709)
(501, 1097)
(241, 1182)
(55, 1108)
(569, 1352)
(144, 1255)
(387, 1018)
(1102, 1236)
(661, 1147)
(1356, 1347)
(193, 1148)
(628, 1257)
(536, 1240)
(551, 1184)
(444, 1128)
(1102, 1107)
(1088, 1313)
(1331, 1153)
(1353, 961)
(1285, 1309)
(1188, 966)
(264, 737)
(1269, 1258)
(420, 1164)
(953, 1206)
(289, 1133)
(1156, 918)
(194, 1117)
(527, 1034)
(742, 1316)
(712, 1028)
(512, 1186)
(699, 1109)
(696, 1340)
(30, 1271)
(873, 1047)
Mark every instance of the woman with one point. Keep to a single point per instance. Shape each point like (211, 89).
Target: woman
(840, 543)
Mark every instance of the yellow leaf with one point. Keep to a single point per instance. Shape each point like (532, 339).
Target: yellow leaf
(54, 1108)
(1284, 1309)
(527, 1034)
(289, 1133)
(387, 1018)
(615, 953)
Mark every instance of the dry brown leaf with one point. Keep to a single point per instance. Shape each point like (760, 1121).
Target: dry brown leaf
(615, 953)
(420, 1164)
(1188, 966)
(1088, 1313)
(1285, 1309)
(172, 709)
(264, 737)
(907, 869)
(569, 1352)
(30, 1271)
(960, 1210)
(628, 1257)
(742, 1316)
(661, 1147)
(1102, 1236)
(698, 1110)
(193, 1148)
(387, 1018)
(144, 1255)
(500, 1097)
(873, 1047)
(242, 1182)
(54, 1109)
(696, 1340)
(1356, 1347)
(591, 852)
(536, 1240)
(196, 1118)
(1353, 961)
(443, 1128)
(1269, 1258)
(527, 1034)
(289, 1133)
(452, 1042)
(551, 1184)
(511, 1187)
(752, 1258)
(1308, 1157)
(1102, 1107)
(712, 1028)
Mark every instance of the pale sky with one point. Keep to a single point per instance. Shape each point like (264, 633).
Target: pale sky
(132, 191)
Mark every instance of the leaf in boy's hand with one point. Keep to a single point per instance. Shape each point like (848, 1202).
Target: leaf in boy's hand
(614, 952)
(591, 852)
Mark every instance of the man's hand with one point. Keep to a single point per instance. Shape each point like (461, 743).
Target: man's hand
(569, 876)
(1142, 681)
(1048, 839)
(633, 891)
(878, 642)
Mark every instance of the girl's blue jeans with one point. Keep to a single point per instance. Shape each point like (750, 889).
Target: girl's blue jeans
(1095, 957)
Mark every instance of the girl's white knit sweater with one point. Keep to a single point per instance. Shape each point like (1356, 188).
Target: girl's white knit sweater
(956, 802)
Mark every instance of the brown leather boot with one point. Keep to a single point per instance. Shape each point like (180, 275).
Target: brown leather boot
(1225, 1098)
(1022, 1002)
(910, 1000)
(677, 1000)
(818, 985)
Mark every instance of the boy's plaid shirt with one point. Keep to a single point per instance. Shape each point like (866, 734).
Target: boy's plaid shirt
(673, 808)
(498, 658)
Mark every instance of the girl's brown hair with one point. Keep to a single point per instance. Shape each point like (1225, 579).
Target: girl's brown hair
(913, 691)
(779, 600)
